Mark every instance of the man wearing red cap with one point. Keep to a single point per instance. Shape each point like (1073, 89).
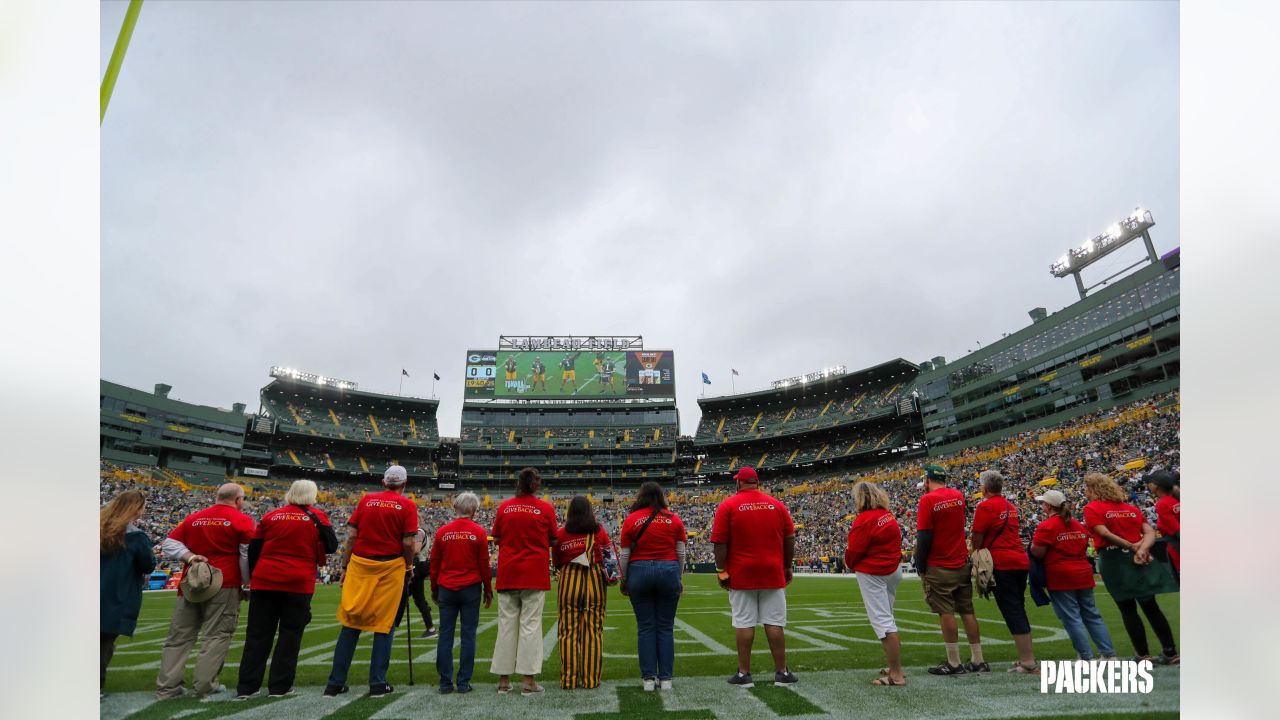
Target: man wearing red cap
(755, 541)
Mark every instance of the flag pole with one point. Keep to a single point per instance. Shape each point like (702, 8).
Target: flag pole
(401, 390)
(433, 386)
(733, 390)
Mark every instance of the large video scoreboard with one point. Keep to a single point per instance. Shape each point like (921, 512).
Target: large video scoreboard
(573, 374)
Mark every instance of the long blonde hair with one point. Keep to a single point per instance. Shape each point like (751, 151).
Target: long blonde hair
(868, 495)
(115, 518)
(1104, 488)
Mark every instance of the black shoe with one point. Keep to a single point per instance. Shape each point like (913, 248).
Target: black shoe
(382, 690)
(446, 689)
(785, 678)
(945, 668)
(741, 680)
(981, 667)
(463, 689)
(428, 634)
(286, 693)
(335, 690)
(242, 697)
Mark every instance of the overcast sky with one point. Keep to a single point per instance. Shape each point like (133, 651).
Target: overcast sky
(352, 188)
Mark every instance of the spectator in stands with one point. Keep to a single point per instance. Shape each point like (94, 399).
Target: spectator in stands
(1061, 542)
(873, 553)
(754, 544)
(524, 530)
(125, 562)
(290, 542)
(377, 557)
(652, 560)
(459, 568)
(1123, 540)
(1164, 486)
(416, 587)
(219, 536)
(996, 531)
(942, 561)
(579, 560)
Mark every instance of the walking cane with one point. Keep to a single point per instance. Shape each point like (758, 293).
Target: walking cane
(408, 623)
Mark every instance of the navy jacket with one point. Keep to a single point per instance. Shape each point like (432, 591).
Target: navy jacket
(122, 577)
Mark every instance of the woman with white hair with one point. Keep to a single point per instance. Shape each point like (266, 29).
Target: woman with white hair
(288, 545)
(459, 569)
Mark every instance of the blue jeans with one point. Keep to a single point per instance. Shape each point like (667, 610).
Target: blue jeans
(1081, 619)
(654, 587)
(379, 659)
(464, 602)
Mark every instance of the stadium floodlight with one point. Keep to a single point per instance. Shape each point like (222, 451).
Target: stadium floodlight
(1119, 234)
(321, 380)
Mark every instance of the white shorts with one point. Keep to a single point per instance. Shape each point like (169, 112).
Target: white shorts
(878, 595)
(758, 607)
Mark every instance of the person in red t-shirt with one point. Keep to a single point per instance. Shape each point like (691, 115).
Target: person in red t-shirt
(579, 559)
(291, 541)
(218, 535)
(459, 569)
(377, 561)
(652, 562)
(754, 541)
(874, 554)
(942, 561)
(996, 529)
(524, 529)
(1164, 485)
(1123, 540)
(1061, 543)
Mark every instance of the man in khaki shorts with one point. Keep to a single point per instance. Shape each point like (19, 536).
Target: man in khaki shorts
(942, 560)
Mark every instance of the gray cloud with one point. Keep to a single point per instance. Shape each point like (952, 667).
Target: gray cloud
(353, 188)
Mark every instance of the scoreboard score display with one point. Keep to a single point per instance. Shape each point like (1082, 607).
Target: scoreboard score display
(577, 374)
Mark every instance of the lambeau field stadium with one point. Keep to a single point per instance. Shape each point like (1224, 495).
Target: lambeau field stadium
(1090, 387)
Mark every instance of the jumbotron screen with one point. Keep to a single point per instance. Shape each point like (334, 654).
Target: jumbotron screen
(575, 374)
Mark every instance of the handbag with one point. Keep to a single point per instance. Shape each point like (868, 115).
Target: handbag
(328, 538)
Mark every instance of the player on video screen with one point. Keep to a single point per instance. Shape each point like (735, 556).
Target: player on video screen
(510, 367)
(567, 372)
(539, 374)
(606, 376)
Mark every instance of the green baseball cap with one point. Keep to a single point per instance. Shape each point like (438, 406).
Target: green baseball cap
(935, 472)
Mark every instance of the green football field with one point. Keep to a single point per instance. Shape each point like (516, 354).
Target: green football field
(831, 649)
(587, 384)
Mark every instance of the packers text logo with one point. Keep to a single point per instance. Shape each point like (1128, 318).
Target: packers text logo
(206, 522)
(1096, 677)
(1073, 535)
(521, 509)
(745, 507)
(1121, 514)
(457, 536)
(884, 520)
(945, 504)
(383, 504)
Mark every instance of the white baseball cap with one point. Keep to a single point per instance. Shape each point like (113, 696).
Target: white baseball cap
(1053, 497)
(396, 474)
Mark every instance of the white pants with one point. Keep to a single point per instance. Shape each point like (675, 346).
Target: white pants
(758, 607)
(878, 594)
(519, 647)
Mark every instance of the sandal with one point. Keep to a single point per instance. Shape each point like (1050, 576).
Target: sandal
(886, 681)
(1018, 667)
(504, 689)
(884, 671)
(536, 689)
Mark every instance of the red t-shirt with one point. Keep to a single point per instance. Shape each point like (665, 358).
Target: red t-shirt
(571, 545)
(291, 550)
(942, 511)
(1120, 518)
(754, 526)
(460, 556)
(659, 541)
(875, 543)
(1168, 522)
(524, 529)
(217, 532)
(382, 521)
(1065, 565)
(1007, 552)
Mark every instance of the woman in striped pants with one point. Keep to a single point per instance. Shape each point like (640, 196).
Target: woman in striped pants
(579, 559)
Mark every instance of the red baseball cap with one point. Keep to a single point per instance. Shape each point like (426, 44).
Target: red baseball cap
(747, 473)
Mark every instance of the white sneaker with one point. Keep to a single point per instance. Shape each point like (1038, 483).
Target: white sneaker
(666, 685)
(649, 684)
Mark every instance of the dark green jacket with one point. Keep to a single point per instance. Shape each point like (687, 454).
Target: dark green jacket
(122, 577)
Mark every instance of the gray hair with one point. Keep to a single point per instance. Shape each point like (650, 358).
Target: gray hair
(466, 504)
(301, 492)
(992, 481)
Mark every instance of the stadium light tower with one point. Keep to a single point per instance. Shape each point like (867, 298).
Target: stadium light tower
(1094, 249)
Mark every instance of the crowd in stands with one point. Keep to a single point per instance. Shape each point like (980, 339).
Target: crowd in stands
(801, 450)
(819, 411)
(640, 436)
(1124, 442)
(337, 419)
